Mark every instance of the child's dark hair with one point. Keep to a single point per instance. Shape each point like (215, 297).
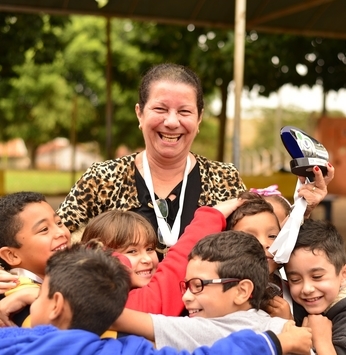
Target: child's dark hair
(94, 283)
(10, 223)
(118, 229)
(322, 236)
(253, 204)
(238, 255)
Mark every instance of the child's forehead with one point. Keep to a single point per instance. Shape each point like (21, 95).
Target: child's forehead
(309, 257)
(268, 220)
(34, 210)
(203, 269)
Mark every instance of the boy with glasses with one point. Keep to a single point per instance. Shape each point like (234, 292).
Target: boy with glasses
(226, 280)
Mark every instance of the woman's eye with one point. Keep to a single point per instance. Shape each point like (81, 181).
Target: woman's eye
(160, 109)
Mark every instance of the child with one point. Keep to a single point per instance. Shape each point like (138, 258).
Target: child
(162, 294)
(83, 291)
(30, 232)
(281, 205)
(316, 274)
(79, 290)
(226, 275)
(130, 234)
(256, 216)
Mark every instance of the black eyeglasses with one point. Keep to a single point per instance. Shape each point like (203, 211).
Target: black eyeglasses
(163, 207)
(196, 285)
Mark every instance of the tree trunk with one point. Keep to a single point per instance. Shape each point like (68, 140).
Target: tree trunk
(324, 106)
(32, 154)
(222, 122)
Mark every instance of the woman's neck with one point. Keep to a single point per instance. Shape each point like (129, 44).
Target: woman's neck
(165, 175)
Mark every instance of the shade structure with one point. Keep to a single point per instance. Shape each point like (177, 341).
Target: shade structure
(324, 18)
(304, 17)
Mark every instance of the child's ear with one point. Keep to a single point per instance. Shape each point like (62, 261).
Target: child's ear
(244, 292)
(10, 255)
(343, 276)
(57, 306)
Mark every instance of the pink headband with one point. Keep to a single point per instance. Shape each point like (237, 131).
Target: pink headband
(267, 191)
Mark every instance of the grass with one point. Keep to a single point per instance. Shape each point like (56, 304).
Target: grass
(46, 182)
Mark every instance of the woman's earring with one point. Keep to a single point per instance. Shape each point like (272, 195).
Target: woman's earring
(140, 126)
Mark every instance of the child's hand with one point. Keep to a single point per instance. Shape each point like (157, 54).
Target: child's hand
(7, 281)
(321, 333)
(297, 340)
(229, 206)
(279, 307)
(16, 302)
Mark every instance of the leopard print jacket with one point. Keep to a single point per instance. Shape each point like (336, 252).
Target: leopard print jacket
(111, 185)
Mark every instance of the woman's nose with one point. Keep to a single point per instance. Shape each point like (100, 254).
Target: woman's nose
(172, 119)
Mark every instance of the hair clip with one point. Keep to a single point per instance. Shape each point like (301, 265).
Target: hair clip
(267, 191)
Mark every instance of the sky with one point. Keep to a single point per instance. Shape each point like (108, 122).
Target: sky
(309, 99)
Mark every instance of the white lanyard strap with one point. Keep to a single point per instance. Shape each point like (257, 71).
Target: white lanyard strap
(284, 243)
(170, 237)
(26, 273)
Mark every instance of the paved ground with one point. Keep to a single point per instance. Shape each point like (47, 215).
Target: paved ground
(338, 211)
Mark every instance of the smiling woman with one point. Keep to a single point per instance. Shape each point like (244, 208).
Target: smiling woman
(169, 111)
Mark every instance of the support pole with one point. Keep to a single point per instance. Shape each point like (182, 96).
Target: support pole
(239, 50)
(109, 105)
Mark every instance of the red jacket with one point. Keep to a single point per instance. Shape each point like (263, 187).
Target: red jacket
(162, 295)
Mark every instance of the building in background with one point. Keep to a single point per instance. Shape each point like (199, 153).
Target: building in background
(58, 154)
(14, 155)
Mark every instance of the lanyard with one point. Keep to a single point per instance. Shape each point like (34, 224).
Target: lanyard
(23, 272)
(170, 237)
(285, 241)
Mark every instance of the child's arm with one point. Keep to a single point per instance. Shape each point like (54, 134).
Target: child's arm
(162, 295)
(297, 340)
(134, 322)
(321, 334)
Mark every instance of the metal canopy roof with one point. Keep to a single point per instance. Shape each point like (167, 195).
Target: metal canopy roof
(324, 18)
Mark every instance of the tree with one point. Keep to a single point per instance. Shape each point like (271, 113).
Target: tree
(21, 32)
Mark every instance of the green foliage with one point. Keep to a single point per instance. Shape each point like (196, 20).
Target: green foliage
(271, 61)
(21, 32)
(53, 70)
(204, 143)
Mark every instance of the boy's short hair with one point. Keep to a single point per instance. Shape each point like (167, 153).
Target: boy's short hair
(239, 255)
(95, 284)
(322, 235)
(10, 224)
(253, 204)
